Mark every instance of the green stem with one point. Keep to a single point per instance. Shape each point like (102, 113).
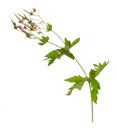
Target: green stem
(92, 113)
(52, 30)
(55, 44)
(81, 67)
(58, 36)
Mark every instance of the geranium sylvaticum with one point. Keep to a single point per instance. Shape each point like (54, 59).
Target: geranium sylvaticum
(34, 27)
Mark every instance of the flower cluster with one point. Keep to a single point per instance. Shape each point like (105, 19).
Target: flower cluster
(30, 23)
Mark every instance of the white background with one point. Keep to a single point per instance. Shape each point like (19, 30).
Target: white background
(32, 95)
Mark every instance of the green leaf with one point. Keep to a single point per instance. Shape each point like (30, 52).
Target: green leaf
(95, 86)
(57, 54)
(70, 91)
(51, 56)
(67, 44)
(78, 83)
(43, 40)
(74, 79)
(49, 27)
(92, 74)
(69, 54)
(75, 42)
(66, 52)
(100, 67)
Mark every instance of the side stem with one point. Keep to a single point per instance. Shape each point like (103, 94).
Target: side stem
(58, 36)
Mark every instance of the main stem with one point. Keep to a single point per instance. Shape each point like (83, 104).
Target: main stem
(92, 114)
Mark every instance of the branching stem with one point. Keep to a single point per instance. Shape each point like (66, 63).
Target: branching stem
(92, 114)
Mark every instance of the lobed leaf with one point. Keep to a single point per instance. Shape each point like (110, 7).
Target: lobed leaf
(57, 54)
(69, 54)
(70, 91)
(95, 86)
(78, 83)
(49, 27)
(74, 79)
(52, 56)
(100, 67)
(68, 44)
(92, 74)
(43, 40)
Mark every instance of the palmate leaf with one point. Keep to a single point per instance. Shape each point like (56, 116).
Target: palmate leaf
(95, 86)
(49, 27)
(43, 40)
(57, 54)
(78, 83)
(69, 45)
(52, 56)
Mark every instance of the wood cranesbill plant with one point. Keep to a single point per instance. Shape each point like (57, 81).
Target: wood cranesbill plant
(34, 27)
